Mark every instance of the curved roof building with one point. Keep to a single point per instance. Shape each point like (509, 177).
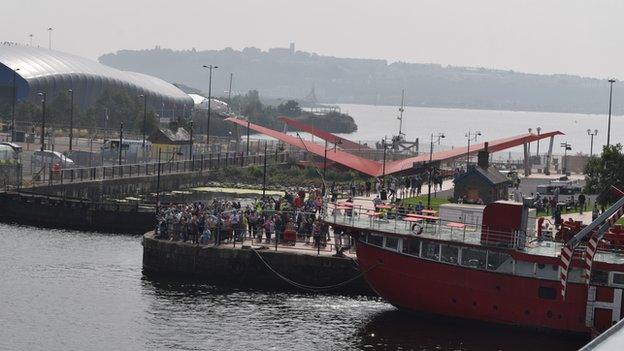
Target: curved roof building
(42, 70)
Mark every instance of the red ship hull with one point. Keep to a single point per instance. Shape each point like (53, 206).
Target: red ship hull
(433, 287)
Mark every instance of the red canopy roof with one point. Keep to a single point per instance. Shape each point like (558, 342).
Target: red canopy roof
(331, 138)
(374, 168)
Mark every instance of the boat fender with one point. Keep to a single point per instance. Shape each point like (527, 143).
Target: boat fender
(417, 228)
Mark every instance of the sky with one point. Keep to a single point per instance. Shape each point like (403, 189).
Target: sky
(538, 36)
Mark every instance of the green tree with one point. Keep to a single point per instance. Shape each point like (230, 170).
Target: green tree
(290, 108)
(604, 171)
(58, 109)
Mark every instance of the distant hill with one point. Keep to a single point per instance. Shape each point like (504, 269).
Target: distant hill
(285, 73)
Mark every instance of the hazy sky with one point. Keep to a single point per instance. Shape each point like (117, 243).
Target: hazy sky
(545, 36)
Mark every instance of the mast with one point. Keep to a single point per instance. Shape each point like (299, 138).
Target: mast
(401, 110)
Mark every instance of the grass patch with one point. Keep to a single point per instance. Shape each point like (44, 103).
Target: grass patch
(435, 201)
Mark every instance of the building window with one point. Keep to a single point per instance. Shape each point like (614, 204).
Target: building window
(414, 247)
(473, 258)
(496, 259)
(430, 250)
(376, 240)
(599, 277)
(546, 293)
(450, 254)
(617, 279)
(392, 243)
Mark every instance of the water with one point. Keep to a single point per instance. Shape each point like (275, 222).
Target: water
(64, 290)
(374, 122)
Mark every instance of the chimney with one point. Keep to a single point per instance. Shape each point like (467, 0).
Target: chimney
(483, 157)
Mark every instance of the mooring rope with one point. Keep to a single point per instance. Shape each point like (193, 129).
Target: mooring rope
(310, 287)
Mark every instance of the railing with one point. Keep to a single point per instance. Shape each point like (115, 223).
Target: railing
(48, 176)
(401, 224)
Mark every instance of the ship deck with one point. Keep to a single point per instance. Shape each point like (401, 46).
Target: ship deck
(456, 233)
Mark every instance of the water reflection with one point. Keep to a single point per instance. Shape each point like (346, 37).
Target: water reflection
(399, 330)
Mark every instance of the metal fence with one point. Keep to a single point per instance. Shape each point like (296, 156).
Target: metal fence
(50, 176)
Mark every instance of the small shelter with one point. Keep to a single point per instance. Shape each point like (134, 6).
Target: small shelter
(481, 183)
(170, 143)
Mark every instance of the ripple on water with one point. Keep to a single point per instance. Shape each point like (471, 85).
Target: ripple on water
(67, 290)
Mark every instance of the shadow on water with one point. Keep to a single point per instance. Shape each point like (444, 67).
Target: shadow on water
(400, 330)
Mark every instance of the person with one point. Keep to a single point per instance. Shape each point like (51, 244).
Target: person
(419, 207)
(205, 237)
(581, 202)
(376, 202)
(367, 187)
(595, 212)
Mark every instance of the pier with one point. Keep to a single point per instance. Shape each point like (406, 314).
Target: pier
(283, 267)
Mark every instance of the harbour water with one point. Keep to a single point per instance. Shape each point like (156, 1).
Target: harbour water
(419, 122)
(67, 290)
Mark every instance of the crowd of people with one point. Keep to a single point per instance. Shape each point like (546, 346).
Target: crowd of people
(285, 219)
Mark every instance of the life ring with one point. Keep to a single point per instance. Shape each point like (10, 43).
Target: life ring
(417, 228)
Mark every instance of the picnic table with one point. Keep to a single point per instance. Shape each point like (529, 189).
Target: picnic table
(430, 212)
(415, 215)
(384, 206)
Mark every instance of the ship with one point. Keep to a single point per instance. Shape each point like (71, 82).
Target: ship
(501, 266)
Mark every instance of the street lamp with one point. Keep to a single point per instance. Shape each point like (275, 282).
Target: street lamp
(438, 136)
(383, 172)
(43, 103)
(210, 68)
(50, 37)
(71, 119)
(469, 136)
(566, 147)
(120, 141)
(336, 142)
(13, 108)
(529, 145)
(144, 96)
(591, 145)
(539, 129)
(191, 142)
(611, 81)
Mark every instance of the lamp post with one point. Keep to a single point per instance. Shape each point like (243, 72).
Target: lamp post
(438, 136)
(13, 104)
(71, 119)
(43, 104)
(591, 145)
(566, 147)
(529, 146)
(611, 81)
(264, 170)
(210, 68)
(144, 96)
(470, 135)
(158, 184)
(50, 37)
(248, 123)
(539, 130)
(191, 142)
(383, 172)
(325, 157)
(120, 141)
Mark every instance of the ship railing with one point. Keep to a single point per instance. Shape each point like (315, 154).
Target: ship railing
(430, 227)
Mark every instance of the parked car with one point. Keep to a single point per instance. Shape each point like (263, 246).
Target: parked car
(49, 157)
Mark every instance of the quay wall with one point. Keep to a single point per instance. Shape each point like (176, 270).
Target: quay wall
(59, 212)
(241, 267)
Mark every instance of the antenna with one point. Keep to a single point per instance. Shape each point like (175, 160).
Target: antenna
(401, 110)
